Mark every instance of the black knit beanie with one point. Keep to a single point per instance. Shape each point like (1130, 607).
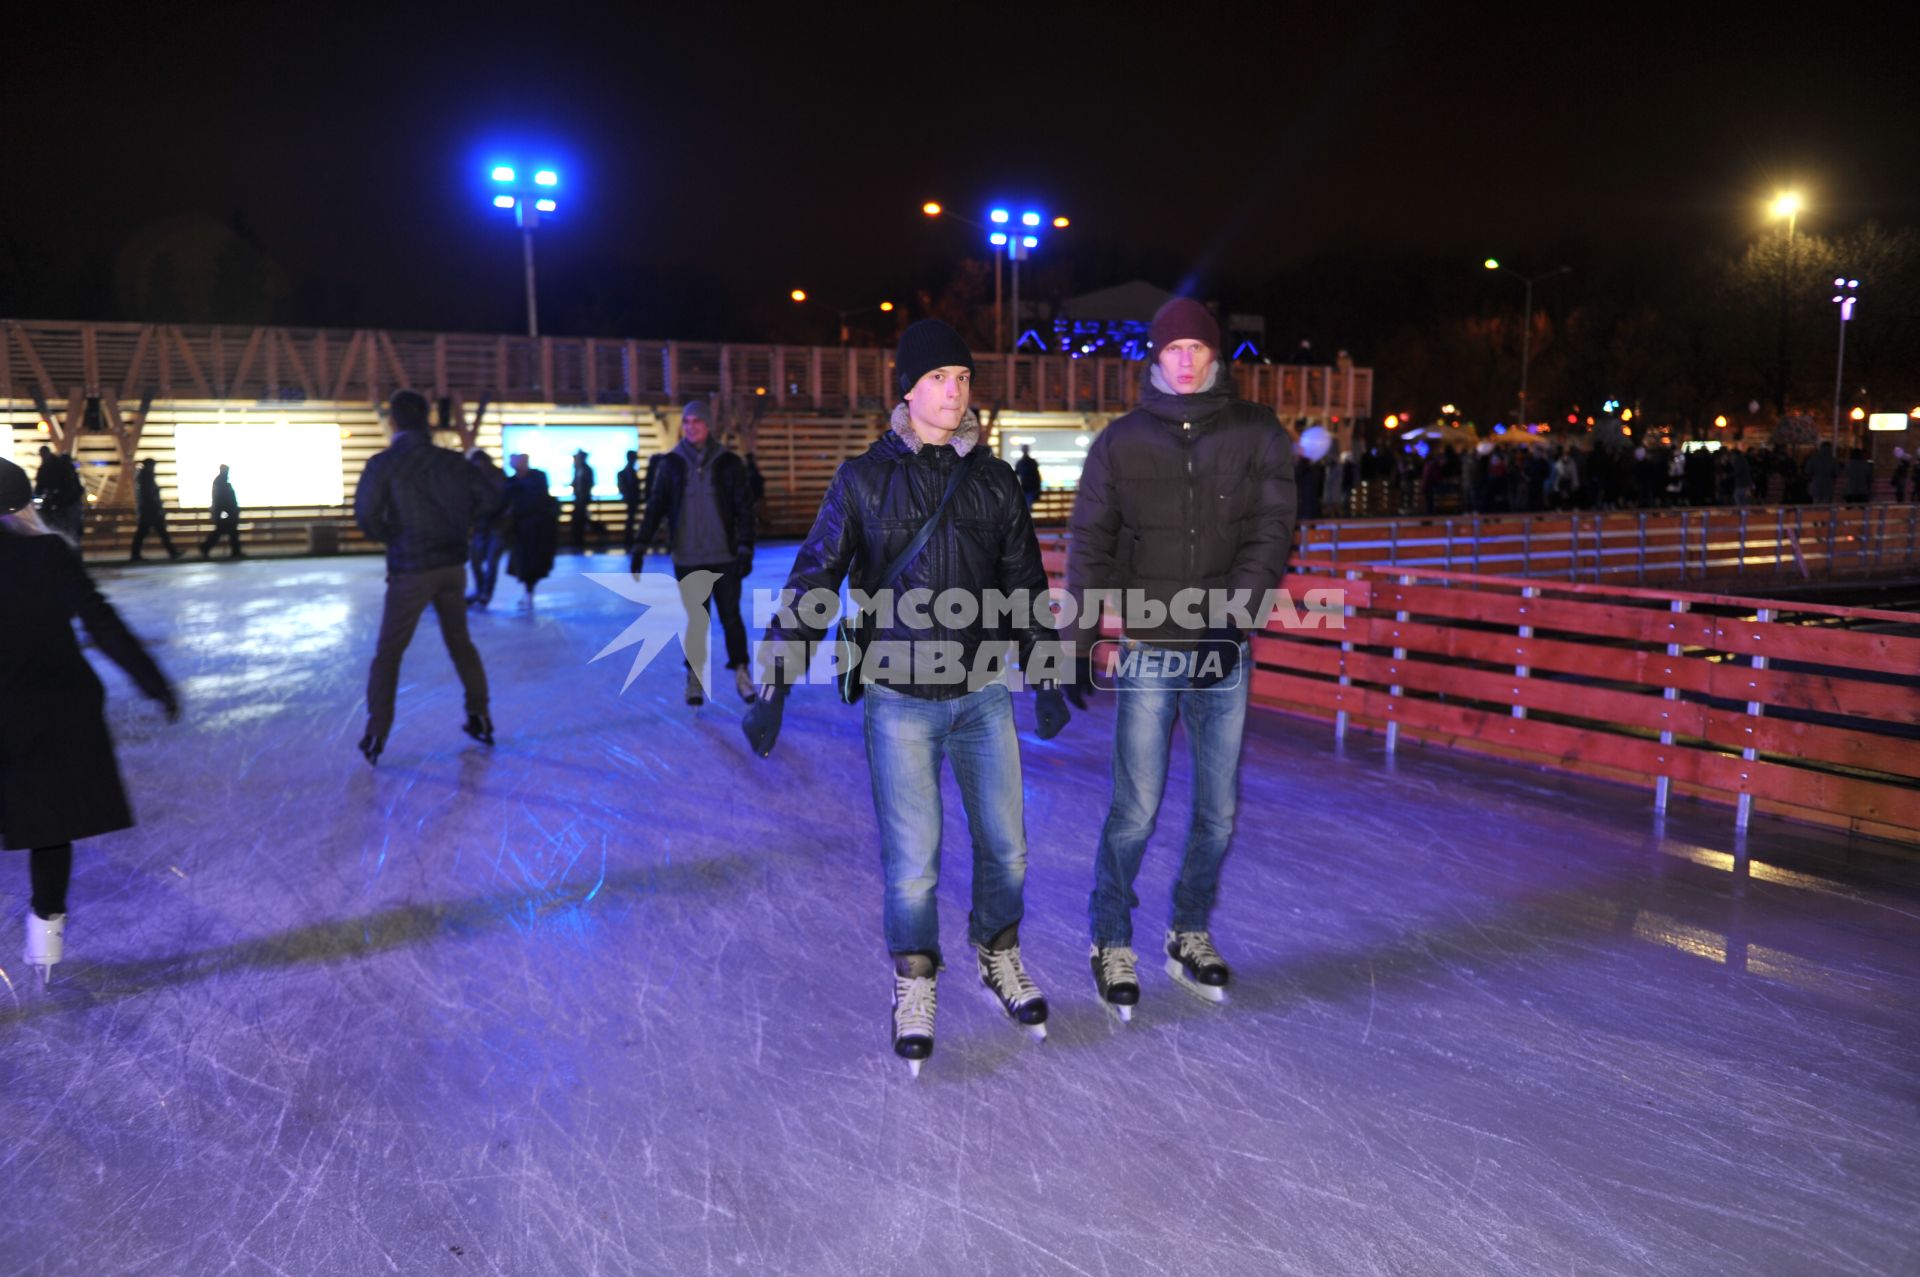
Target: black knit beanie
(927, 345)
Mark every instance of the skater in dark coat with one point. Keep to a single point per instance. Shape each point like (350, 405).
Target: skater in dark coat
(492, 530)
(58, 779)
(63, 498)
(630, 497)
(535, 514)
(226, 517)
(152, 513)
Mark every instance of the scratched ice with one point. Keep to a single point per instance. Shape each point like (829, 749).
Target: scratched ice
(610, 998)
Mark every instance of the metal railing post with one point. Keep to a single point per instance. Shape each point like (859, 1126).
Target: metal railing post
(1526, 632)
(1663, 786)
(1395, 691)
(1743, 812)
(1346, 679)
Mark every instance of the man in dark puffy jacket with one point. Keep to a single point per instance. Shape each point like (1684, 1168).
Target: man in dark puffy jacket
(703, 496)
(935, 667)
(1188, 499)
(422, 501)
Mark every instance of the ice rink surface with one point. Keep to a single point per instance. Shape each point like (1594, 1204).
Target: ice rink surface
(611, 998)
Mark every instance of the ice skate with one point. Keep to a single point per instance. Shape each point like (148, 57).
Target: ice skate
(372, 745)
(1115, 977)
(480, 727)
(1196, 965)
(1005, 978)
(913, 1004)
(46, 943)
(696, 694)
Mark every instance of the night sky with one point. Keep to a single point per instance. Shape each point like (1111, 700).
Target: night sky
(715, 157)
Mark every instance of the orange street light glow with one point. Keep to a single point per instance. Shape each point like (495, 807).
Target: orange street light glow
(1061, 223)
(1858, 414)
(1720, 422)
(886, 306)
(798, 294)
(1392, 422)
(930, 208)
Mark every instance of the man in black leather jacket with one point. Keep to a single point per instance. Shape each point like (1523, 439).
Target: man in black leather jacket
(422, 501)
(934, 674)
(1190, 494)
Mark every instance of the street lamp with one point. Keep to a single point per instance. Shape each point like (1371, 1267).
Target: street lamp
(801, 297)
(1846, 293)
(529, 201)
(1787, 205)
(1018, 237)
(1526, 327)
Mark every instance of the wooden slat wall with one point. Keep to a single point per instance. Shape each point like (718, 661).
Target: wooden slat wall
(1580, 678)
(51, 358)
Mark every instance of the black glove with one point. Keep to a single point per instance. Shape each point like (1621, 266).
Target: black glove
(1216, 657)
(1050, 711)
(762, 723)
(1082, 685)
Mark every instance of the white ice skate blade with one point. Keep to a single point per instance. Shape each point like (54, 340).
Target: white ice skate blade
(913, 1068)
(1205, 992)
(1037, 1031)
(1120, 1010)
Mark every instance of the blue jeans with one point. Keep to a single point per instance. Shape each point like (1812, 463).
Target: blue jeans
(906, 739)
(1216, 719)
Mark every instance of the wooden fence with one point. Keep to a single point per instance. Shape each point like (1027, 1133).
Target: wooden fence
(58, 366)
(1741, 547)
(1806, 711)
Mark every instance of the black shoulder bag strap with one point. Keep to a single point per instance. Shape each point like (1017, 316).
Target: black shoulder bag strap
(853, 632)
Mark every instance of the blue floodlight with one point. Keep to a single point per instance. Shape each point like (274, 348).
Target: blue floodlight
(543, 206)
(1030, 219)
(546, 177)
(502, 173)
(998, 216)
(997, 239)
(1030, 241)
(503, 201)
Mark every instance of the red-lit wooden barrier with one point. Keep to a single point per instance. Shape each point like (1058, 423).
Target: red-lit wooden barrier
(1800, 710)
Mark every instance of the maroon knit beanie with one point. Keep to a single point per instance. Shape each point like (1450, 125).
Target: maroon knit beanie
(1183, 319)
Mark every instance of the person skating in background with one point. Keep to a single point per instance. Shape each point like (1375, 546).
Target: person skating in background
(534, 514)
(703, 496)
(1823, 473)
(492, 529)
(930, 511)
(1191, 491)
(59, 782)
(1858, 485)
(1902, 474)
(226, 516)
(582, 499)
(151, 511)
(63, 498)
(1027, 471)
(630, 498)
(422, 501)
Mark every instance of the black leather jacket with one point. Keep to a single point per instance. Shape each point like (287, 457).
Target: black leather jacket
(874, 507)
(422, 501)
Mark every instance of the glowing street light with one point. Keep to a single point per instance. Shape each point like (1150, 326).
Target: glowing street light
(1017, 243)
(800, 296)
(1526, 327)
(528, 205)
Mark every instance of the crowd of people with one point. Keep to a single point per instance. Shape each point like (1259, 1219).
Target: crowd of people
(1499, 477)
(926, 508)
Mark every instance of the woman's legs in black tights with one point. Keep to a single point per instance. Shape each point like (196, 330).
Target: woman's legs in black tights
(51, 868)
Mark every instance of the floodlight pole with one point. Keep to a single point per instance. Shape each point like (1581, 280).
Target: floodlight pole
(528, 217)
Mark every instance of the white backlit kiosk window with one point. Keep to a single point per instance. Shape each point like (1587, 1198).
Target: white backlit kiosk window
(284, 463)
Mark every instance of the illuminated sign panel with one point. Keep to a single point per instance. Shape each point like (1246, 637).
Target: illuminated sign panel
(1060, 453)
(287, 463)
(1888, 421)
(551, 448)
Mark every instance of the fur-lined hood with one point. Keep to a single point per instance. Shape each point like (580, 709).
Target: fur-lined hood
(963, 439)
